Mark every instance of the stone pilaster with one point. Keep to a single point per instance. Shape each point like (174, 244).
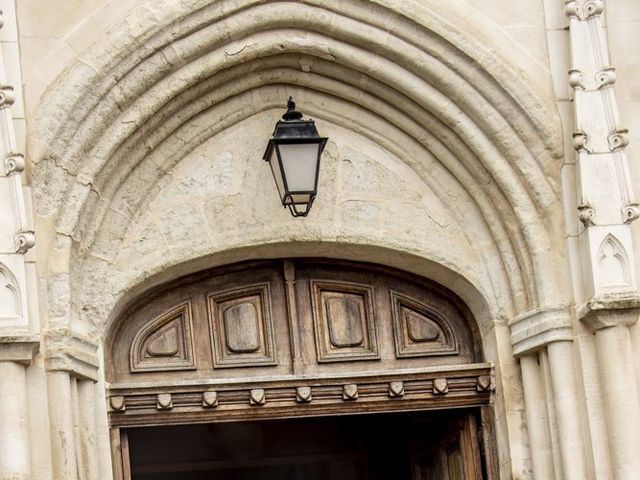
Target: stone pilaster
(606, 207)
(16, 353)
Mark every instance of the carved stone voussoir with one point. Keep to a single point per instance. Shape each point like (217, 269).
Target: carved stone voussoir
(14, 163)
(25, 241)
(610, 311)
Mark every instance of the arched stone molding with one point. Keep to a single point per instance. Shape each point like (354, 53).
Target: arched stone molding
(10, 297)
(613, 265)
(482, 122)
(458, 120)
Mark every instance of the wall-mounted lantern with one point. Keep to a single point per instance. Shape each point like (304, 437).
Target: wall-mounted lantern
(293, 152)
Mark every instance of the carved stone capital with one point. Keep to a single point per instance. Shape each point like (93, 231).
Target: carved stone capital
(586, 215)
(607, 311)
(7, 96)
(580, 141)
(583, 9)
(576, 79)
(618, 139)
(606, 76)
(630, 212)
(14, 163)
(69, 352)
(534, 330)
(24, 241)
(18, 348)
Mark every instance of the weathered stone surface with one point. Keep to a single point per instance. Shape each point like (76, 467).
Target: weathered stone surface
(147, 121)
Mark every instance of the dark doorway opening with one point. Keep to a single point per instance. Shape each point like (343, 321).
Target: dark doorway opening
(399, 446)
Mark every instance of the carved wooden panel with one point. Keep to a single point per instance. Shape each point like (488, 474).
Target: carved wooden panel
(344, 323)
(165, 343)
(241, 327)
(419, 330)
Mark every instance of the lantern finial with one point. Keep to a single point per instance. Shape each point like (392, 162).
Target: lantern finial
(291, 113)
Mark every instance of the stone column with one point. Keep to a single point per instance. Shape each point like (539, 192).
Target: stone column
(537, 418)
(72, 368)
(565, 399)
(61, 418)
(550, 330)
(606, 207)
(610, 324)
(15, 355)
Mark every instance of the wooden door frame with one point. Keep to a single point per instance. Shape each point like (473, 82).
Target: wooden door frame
(478, 424)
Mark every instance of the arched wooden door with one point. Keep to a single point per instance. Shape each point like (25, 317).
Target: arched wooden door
(302, 338)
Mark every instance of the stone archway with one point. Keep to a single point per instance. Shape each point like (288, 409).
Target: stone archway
(300, 338)
(436, 161)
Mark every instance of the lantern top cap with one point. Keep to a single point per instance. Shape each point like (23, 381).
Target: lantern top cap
(291, 113)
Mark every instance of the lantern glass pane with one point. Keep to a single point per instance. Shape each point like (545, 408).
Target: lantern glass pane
(277, 173)
(300, 165)
(301, 198)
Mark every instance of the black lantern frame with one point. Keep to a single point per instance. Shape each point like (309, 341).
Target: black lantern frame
(293, 130)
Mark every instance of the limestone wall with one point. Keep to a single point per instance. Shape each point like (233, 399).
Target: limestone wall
(451, 155)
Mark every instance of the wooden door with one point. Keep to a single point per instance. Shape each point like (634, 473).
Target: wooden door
(452, 455)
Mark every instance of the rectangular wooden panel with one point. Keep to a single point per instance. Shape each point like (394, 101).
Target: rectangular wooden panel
(241, 327)
(344, 321)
